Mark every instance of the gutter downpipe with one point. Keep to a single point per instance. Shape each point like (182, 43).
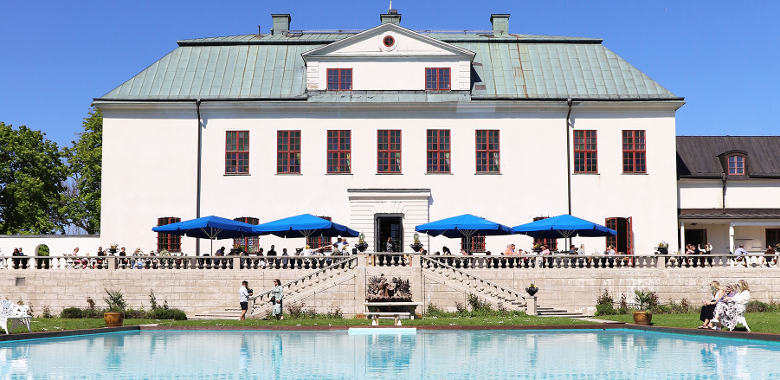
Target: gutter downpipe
(568, 160)
(723, 201)
(197, 192)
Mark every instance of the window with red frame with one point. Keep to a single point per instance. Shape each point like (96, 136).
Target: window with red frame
(288, 152)
(552, 244)
(437, 78)
(339, 79)
(388, 149)
(477, 244)
(250, 244)
(736, 165)
(488, 151)
(169, 242)
(237, 152)
(339, 151)
(315, 242)
(634, 159)
(585, 152)
(438, 150)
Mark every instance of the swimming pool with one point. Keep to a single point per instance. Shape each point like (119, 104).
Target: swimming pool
(495, 354)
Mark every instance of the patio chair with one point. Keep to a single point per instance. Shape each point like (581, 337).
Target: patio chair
(16, 313)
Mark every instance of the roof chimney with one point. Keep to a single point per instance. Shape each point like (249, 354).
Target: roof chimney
(281, 23)
(392, 17)
(500, 23)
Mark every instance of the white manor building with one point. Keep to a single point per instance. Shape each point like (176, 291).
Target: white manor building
(388, 128)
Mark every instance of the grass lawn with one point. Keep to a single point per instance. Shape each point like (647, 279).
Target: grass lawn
(759, 322)
(59, 324)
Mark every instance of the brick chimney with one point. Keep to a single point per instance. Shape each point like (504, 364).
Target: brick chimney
(281, 23)
(500, 23)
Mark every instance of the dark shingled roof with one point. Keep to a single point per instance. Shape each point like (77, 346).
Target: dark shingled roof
(697, 156)
(729, 213)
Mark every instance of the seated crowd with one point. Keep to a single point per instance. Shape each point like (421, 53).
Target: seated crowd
(726, 307)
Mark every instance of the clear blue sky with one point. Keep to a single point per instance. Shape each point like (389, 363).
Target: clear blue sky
(722, 56)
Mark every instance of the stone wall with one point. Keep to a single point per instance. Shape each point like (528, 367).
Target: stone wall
(196, 290)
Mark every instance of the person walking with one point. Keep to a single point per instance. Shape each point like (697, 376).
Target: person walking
(276, 299)
(243, 298)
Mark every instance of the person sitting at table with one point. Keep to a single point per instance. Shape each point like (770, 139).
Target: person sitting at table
(769, 256)
(741, 255)
(546, 252)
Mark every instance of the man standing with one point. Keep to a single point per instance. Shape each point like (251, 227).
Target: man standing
(243, 297)
(272, 260)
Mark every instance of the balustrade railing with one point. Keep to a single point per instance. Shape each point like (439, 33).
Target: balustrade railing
(290, 289)
(493, 262)
(498, 291)
(167, 262)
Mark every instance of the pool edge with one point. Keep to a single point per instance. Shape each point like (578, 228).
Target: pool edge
(607, 326)
(65, 333)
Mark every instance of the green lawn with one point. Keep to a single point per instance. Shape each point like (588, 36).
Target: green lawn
(60, 324)
(759, 322)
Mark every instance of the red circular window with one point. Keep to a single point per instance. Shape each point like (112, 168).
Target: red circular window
(388, 41)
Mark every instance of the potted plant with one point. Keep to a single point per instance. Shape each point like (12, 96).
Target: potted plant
(416, 246)
(361, 245)
(644, 300)
(115, 314)
(663, 248)
(531, 290)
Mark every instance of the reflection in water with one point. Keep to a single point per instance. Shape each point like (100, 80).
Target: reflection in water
(614, 354)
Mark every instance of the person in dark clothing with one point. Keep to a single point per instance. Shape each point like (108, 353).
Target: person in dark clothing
(271, 260)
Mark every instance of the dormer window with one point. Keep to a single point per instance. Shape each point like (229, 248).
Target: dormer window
(437, 78)
(736, 164)
(339, 79)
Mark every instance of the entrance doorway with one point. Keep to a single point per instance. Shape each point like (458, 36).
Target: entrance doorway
(696, 237)
(388, 226)
(623, 242)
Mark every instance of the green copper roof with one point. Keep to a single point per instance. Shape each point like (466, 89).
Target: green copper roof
(510, 66)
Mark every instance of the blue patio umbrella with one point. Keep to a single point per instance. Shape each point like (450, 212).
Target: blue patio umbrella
(208, 227)
(463, 226)
(303, 225)
(563, 226)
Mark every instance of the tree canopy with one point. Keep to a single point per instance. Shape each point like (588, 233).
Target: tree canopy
(81, 200)
(31, 182)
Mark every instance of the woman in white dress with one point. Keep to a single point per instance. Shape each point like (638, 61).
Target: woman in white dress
(276, 299)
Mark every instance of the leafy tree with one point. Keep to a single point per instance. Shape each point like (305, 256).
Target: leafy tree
(81, 203)
(31, 176)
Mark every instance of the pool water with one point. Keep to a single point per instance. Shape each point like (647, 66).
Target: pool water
(504, 354)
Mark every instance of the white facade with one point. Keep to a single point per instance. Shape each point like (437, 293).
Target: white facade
(727, 233)
(139, 188)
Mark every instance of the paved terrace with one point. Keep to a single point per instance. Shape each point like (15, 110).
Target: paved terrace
(201, 284)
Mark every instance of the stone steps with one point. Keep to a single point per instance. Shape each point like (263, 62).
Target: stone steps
(554, 312)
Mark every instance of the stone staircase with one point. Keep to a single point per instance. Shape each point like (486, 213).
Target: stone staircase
(495, 294)
(294, 291)
(554, 312)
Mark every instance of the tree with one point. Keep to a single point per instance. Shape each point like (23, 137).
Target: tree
(81, 203)
(31, 176)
